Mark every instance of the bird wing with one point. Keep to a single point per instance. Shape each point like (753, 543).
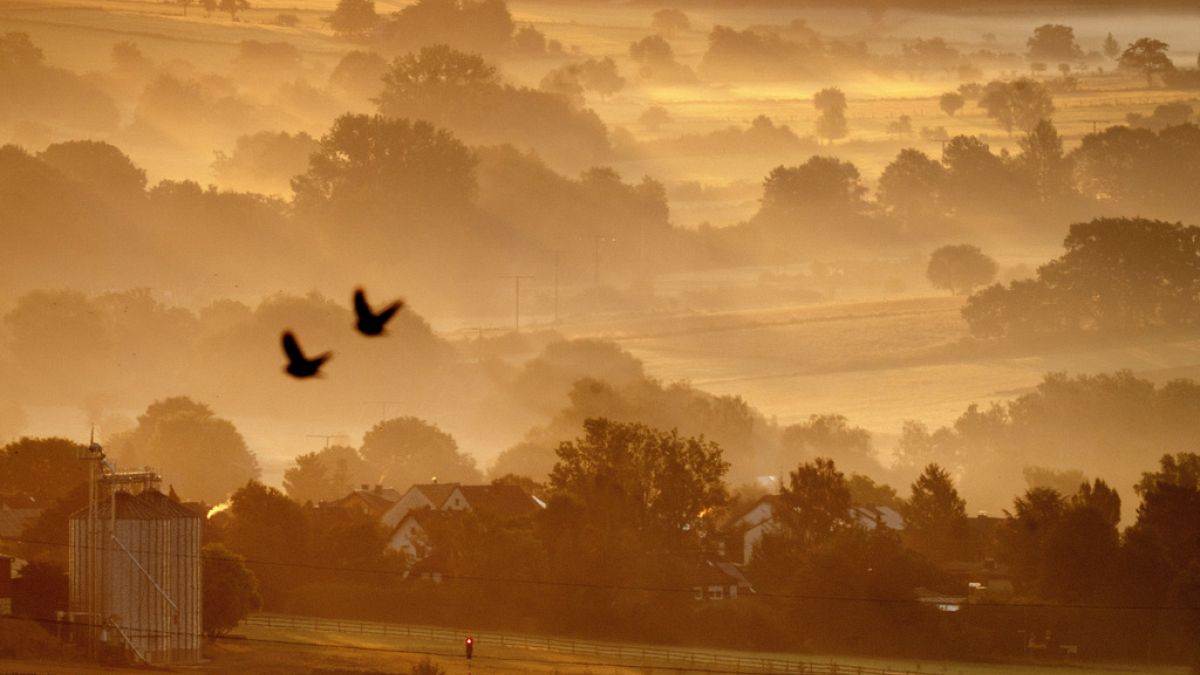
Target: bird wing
(292, 348)
(390, 311)
(361, 308)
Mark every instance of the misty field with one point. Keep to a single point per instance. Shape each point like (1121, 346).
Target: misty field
(75, 32)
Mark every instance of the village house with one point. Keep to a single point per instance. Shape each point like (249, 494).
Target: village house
(372, 500)
(745, 527)
(502, 502)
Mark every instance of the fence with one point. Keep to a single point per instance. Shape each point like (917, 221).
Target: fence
(700, 659)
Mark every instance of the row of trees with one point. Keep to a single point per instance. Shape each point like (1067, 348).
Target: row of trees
(1117, 277)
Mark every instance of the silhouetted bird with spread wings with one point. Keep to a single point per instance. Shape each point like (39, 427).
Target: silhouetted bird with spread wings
(370, 323)
(299, 365)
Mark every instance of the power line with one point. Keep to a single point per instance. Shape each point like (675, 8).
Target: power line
(657, 589)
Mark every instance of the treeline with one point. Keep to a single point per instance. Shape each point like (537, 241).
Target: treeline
(1118, 278)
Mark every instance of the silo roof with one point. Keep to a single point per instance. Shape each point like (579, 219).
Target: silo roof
(146, 505)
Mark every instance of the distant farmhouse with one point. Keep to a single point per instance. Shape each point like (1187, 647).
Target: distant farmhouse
(409, 516)
(745, 527)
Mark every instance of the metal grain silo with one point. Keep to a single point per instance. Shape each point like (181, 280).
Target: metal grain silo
(135, 571)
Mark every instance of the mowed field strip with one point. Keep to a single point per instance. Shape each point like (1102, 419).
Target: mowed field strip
(878, 363)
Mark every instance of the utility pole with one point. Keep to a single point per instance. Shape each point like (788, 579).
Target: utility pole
(327, 437)
(557, 259)
(516, 297)
(596, 269)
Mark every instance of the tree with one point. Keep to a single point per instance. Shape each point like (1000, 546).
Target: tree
(359, 73)
(1043, 161)
(935, 516)
(1148, 56)
(818, 502)
(233, 7)
(435, 76)
(378, 164)
(1054, 42)
(19, 53)
(960, 268)
(831, 123)
(1018, 104)
(326, 475)
(822, 184)
(47, 468)
(40, 591)
(911, 186)
(209, 6)
(407, 450)
(601, 76)
(670, 21)
(99, 166)
(271, 532)
(1112, 48)
(230, 590)
(951, 102)
(665, 487)
(185, 4)
(353, 18)
(830, 436)
(202, 455)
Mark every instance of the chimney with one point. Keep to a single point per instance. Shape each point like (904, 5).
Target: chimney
(378, 489)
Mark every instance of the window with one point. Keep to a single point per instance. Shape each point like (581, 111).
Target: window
(716, 592)
(699, 592)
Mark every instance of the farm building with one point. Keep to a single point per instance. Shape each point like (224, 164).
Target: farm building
(135, 572)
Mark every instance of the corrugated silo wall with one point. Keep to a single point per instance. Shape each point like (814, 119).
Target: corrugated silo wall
(163, 623)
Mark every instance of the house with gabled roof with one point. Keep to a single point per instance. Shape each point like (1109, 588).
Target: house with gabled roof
(373, 500)
(413, 510)
(428, 495)
(746, 526)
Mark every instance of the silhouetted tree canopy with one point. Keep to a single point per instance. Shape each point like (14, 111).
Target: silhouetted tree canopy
(230, 592)
(1118, 276)
(1019, 104)
(353, 18)
(664, 486)
(47, 468)
(960, 268)
(1147, 56)
(406, 450)
(202, 455)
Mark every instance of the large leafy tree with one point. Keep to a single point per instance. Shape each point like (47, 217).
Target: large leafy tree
(230, 590)
(272, 533)
(202, 455)
(1019, 104)
(328, 474)
(830, 436)
(912, 187)
(353, 18)
(47, 468)
(817, 502)
(436, 77)
(1054, 43)
(665, 487)
(1147, 56)
(408, 450)
(372, 165)
(960, 268)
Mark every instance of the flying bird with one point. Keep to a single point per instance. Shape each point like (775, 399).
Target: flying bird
(370, 323)
(299, 365)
